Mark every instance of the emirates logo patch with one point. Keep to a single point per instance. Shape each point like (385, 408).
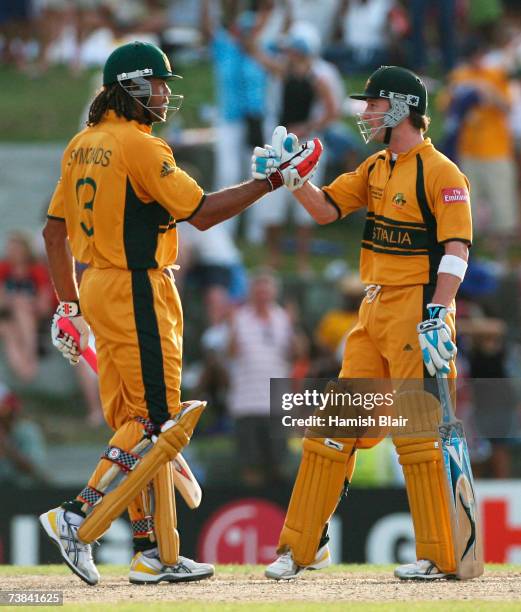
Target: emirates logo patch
(450, 195)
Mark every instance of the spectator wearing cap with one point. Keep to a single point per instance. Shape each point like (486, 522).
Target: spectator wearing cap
(22, 447)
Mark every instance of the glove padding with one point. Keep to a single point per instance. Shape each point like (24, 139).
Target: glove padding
(285, 161)
(436, 343)
(65, 343)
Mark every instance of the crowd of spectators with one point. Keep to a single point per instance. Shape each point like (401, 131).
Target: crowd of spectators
(251, 327)
(356, 34)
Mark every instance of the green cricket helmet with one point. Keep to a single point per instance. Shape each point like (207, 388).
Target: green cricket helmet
(405, 91)
(133, 64)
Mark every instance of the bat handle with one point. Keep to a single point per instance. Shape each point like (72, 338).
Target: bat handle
(445, 399)
(88, 354)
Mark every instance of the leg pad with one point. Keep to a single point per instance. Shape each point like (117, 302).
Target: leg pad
(424, 471)
(168, 445)
(320, 480)
(165, 517)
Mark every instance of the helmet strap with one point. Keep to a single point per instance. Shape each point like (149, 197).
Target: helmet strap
(387, 137)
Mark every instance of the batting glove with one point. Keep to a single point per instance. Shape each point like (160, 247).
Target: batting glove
(436, 343)
(284, 162)
(64, 342)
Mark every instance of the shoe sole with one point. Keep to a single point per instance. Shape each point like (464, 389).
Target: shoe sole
(171, 578)
(44, 522)
(427, 578)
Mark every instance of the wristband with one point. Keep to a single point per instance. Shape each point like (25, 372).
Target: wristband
(438, 311)
(452, 264)
(69, 309)
(275, 180)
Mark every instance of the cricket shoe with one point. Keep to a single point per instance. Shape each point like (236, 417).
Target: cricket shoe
(421, 570)
(284, 568)
(62, 526)
(147, 568)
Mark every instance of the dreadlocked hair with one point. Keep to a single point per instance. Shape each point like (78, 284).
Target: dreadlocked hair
(114, 97)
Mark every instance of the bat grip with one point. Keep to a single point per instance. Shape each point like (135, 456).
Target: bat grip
(66, 326)
(445, 399)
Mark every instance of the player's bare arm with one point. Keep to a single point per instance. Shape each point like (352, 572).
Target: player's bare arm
(316, 203)
(60, 260)
(227, 203)
(434, 335)
(61, 264)
(448, 284)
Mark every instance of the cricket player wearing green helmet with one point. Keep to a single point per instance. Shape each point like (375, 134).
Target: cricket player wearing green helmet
(116, 209)
(413, 258)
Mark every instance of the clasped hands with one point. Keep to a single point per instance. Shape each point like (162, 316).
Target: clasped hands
(285, 161)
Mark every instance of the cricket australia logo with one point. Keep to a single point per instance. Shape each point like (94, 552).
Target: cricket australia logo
(167, 169)
(114, 453)
(399, 200)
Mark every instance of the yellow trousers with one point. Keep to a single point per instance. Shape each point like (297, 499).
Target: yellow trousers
(137, 320)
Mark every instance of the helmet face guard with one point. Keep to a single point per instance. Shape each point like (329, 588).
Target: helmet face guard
(371, 123)
(405, 91)
(138, 86)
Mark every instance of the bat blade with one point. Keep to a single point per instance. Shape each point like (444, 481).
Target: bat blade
(460, 488)
(186, 482)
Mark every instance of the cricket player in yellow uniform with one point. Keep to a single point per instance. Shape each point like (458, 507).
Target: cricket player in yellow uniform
(413, 258)
(117, 206)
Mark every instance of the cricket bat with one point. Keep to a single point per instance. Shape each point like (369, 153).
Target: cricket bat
(184, 480)
(466, 527)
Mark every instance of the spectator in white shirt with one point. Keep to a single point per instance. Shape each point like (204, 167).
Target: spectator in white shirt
(260, 345)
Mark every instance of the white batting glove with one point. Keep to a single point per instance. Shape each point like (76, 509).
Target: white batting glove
(266, 160)
(435, 337)
(64, 342)
(284, 162)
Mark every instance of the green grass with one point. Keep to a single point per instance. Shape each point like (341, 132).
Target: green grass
(361, 606)
(48, 107)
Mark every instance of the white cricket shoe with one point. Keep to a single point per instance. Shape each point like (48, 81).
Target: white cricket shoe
(147, 568)
(58, 525)
(284, 568)
(421, 570)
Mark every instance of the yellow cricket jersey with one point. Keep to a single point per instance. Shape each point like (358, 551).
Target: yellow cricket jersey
(121, 195)
(413, 206)
(485, 132)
